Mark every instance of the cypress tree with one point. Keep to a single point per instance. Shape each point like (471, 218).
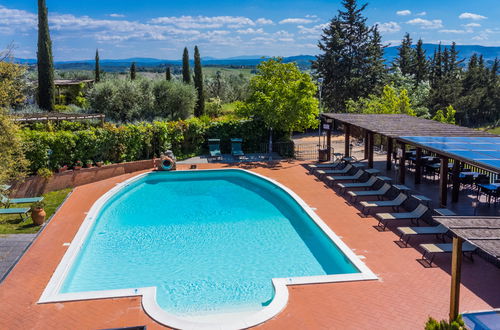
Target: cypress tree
(132, 71)
(186, 75)
(198, 83)
(421, 63)
(97, 68)
(406, 56)
(346, 47)
(168, 74)
(46, 88)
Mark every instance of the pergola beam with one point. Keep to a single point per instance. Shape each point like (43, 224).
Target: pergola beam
(456, 274)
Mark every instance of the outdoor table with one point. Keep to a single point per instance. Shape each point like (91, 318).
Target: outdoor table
(401, 187)
(489, 189)
(464, 174)
(423, 199)
(445, 212)
(372, 171)
(384, 178)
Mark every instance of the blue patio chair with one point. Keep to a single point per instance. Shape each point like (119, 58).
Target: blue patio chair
(22, 212)
(236, 150)
(6, 202)
(214, 148)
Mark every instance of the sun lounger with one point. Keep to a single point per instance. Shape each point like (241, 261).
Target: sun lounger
(371, 181)
(378, 193)
(416, 214)
(430, 250)
(406, 233)
(21, 211)
(395, 203)
(332, 165)
(348, 169)
(236, 150)
(354, 177)
(8, 201)
(214, 148)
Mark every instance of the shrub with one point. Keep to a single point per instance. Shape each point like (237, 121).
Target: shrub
(433, 324)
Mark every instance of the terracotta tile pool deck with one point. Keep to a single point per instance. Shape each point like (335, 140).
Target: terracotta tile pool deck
(403, 297)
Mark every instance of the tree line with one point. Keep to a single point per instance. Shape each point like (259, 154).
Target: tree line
(353, 70)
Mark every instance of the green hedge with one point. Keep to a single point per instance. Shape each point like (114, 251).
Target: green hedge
(57, 147)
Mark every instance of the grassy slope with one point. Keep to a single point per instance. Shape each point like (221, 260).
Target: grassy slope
(13, 225)
(495, 130)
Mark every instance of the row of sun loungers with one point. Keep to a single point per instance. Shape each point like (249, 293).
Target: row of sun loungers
(335, 174)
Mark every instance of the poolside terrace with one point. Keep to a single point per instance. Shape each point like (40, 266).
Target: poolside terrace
(403, 297)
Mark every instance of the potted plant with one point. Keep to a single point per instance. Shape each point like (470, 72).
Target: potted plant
(38, 213)
(78, 165)
(99, 163)
(88, 163)
(62, 168)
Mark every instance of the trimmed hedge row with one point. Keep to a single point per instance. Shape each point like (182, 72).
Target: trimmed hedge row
(114, 144)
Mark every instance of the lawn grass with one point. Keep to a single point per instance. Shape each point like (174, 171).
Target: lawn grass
(12, 224)
(495, 130)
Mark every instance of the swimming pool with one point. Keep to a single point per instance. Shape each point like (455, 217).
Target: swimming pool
(202, 248)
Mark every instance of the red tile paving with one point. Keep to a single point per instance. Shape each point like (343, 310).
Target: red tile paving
(403, 298)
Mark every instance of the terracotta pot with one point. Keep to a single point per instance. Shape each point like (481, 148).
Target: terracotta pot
(76, 168)
(88, 165)
(38, 216)
(63, 169)
(99, 164)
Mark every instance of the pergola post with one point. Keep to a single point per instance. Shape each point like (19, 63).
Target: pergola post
(329, 142)
(347, 129)
(388, 164)
(418, 166)
(370, 149)
(402, 162)
(443, 182)
(367, 144)
(456, 272)
(455, 181)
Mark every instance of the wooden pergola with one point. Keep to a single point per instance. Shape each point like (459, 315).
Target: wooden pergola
(395, 127)
(482, 232)
(55, 116)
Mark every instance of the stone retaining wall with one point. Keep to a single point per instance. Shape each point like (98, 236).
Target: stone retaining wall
(36, 186)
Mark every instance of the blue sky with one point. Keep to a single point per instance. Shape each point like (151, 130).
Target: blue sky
(161, 29)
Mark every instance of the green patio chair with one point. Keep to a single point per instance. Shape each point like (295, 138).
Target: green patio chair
(236, 150)
(23, 212)
(8, 201)
(214, 148)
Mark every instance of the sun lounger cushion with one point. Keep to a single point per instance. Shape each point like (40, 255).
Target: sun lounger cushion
(437, 230)
(446, 247)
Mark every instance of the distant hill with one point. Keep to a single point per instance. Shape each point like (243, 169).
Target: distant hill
(303, 61)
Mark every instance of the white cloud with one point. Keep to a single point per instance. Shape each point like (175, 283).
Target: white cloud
(315, 30)
(12, 20)
(422, 13)
(251, 31)
(204, 22)
(116, 15)
(472, 25)
(405, 12)
(296, 21)
(264, 21)
(426, 24)
(283, 34)
(454, 31)
(388, 27)
(471, 16)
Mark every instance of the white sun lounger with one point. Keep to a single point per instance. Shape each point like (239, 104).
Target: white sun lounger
(406, 233)
(416, 214)
(395, 203)
(379, 192)
(432, 249)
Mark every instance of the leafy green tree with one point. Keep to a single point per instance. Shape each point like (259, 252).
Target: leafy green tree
(186, 72)
(417, 92)
(97, 68)
(389, 102)
(12, 161)
(46, 88)
(12, 84)
(406, 56)
(228, 87)
(198, 83)
(448, 118)
(282, 96)
(173, 99)
(348, 52)
(168, 74)
(133, 71)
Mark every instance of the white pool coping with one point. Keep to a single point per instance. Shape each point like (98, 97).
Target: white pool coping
(222, 321)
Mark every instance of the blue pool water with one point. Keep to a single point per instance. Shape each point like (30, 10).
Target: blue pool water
(210, 241)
